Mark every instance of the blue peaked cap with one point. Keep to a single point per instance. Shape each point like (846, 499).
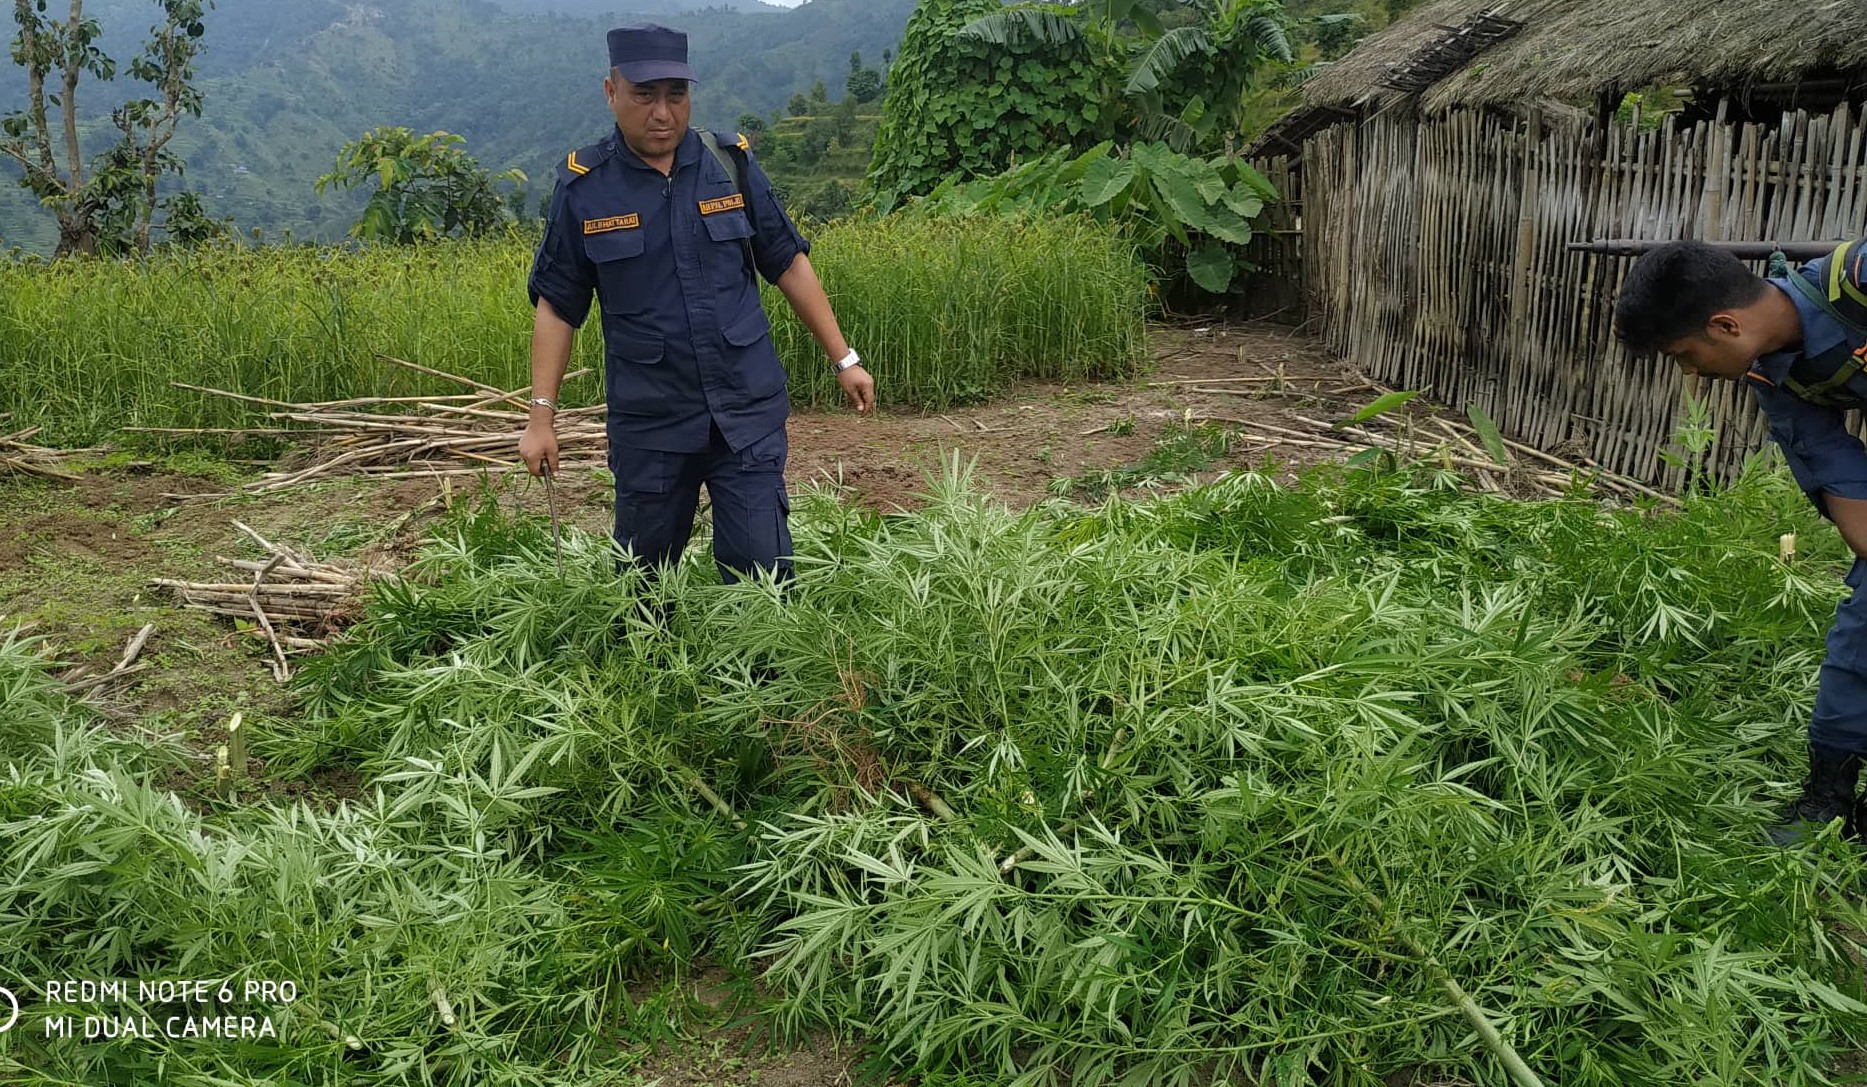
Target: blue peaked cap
(645, 52)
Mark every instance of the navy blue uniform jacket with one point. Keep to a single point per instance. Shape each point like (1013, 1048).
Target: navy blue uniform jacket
(686, 342)
(1823, 455)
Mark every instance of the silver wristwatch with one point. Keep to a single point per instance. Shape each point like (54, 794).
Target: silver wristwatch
(850, 360)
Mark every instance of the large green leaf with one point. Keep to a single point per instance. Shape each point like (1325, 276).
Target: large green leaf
(1269, 36)
(1205, 177)
(1076, 169)
(1227, 225)
(1106, 178)
(1380, 405)
(1152, 157)
(1211, 267)
(1016, 26)
(1251, 179)
(1171, 194)
(1245, 203)
(1488, 433)
(1223, 223)
(1168, 52)
(1182, 197)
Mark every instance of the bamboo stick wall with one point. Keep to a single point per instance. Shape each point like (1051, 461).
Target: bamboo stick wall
(1273, 289)
(1433, 256)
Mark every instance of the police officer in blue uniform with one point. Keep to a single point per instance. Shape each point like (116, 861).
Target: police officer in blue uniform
(652, 221)
(1798, 340)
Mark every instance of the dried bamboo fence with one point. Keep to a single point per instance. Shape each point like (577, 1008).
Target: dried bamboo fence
(1273, 290)
(1434, 257)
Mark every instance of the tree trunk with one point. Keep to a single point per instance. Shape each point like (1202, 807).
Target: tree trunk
(146, 218)
(70, 104)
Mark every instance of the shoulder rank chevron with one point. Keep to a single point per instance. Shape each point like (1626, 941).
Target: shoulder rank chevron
(583, 160)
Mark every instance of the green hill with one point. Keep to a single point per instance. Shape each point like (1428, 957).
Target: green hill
(288, 84)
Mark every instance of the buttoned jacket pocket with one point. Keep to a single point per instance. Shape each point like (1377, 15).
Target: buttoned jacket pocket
(728, 226)
(748, 328)
(618, 269)
(630, 342)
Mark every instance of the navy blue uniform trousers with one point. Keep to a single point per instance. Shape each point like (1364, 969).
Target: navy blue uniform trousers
(657, 494)
(1840, 719)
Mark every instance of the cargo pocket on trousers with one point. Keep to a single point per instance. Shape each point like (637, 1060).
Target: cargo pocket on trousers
(784, 567)
(643, 478)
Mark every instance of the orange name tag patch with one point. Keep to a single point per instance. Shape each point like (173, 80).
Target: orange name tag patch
(614, 222)
(724, 203)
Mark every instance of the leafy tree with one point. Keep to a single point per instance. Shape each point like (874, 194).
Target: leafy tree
(863, 84)
(110, 208)
(799, 106)
(960, 106)
(752, 125)
(814, 142)
(188, 225)
(147, 125)
(826, 200)
(819, 97)
(427, 186)
(843, 119)
(1336, 33)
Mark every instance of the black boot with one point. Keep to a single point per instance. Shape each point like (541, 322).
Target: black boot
(1827, 795)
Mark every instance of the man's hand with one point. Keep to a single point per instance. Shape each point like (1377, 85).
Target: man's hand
(859, 386)
(551, 343)
(538, 445)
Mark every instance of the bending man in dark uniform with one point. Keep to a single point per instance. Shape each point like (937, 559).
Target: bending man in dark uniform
(653, 222)
(1798, 342)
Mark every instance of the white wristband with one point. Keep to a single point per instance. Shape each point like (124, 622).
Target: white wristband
(850, 360)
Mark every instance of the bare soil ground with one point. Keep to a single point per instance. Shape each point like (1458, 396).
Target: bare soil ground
(77, 559)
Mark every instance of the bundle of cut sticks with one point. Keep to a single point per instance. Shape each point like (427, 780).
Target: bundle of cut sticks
(18, 457)
(298, 603)
(413, 437)
(1457, 446)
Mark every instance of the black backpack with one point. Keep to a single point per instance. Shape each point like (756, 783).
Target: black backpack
(733, 157)
(1825, 381)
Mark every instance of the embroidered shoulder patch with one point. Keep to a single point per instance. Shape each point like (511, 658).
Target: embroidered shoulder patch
(614, 222)
(724, 203)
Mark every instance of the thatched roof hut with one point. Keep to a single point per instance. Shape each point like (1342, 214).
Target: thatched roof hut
(1435, 180)
(1809, 54)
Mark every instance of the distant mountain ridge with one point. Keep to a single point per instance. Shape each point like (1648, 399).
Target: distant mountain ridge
(288, 83)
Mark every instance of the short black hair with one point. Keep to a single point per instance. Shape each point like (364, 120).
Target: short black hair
(1672, 292)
